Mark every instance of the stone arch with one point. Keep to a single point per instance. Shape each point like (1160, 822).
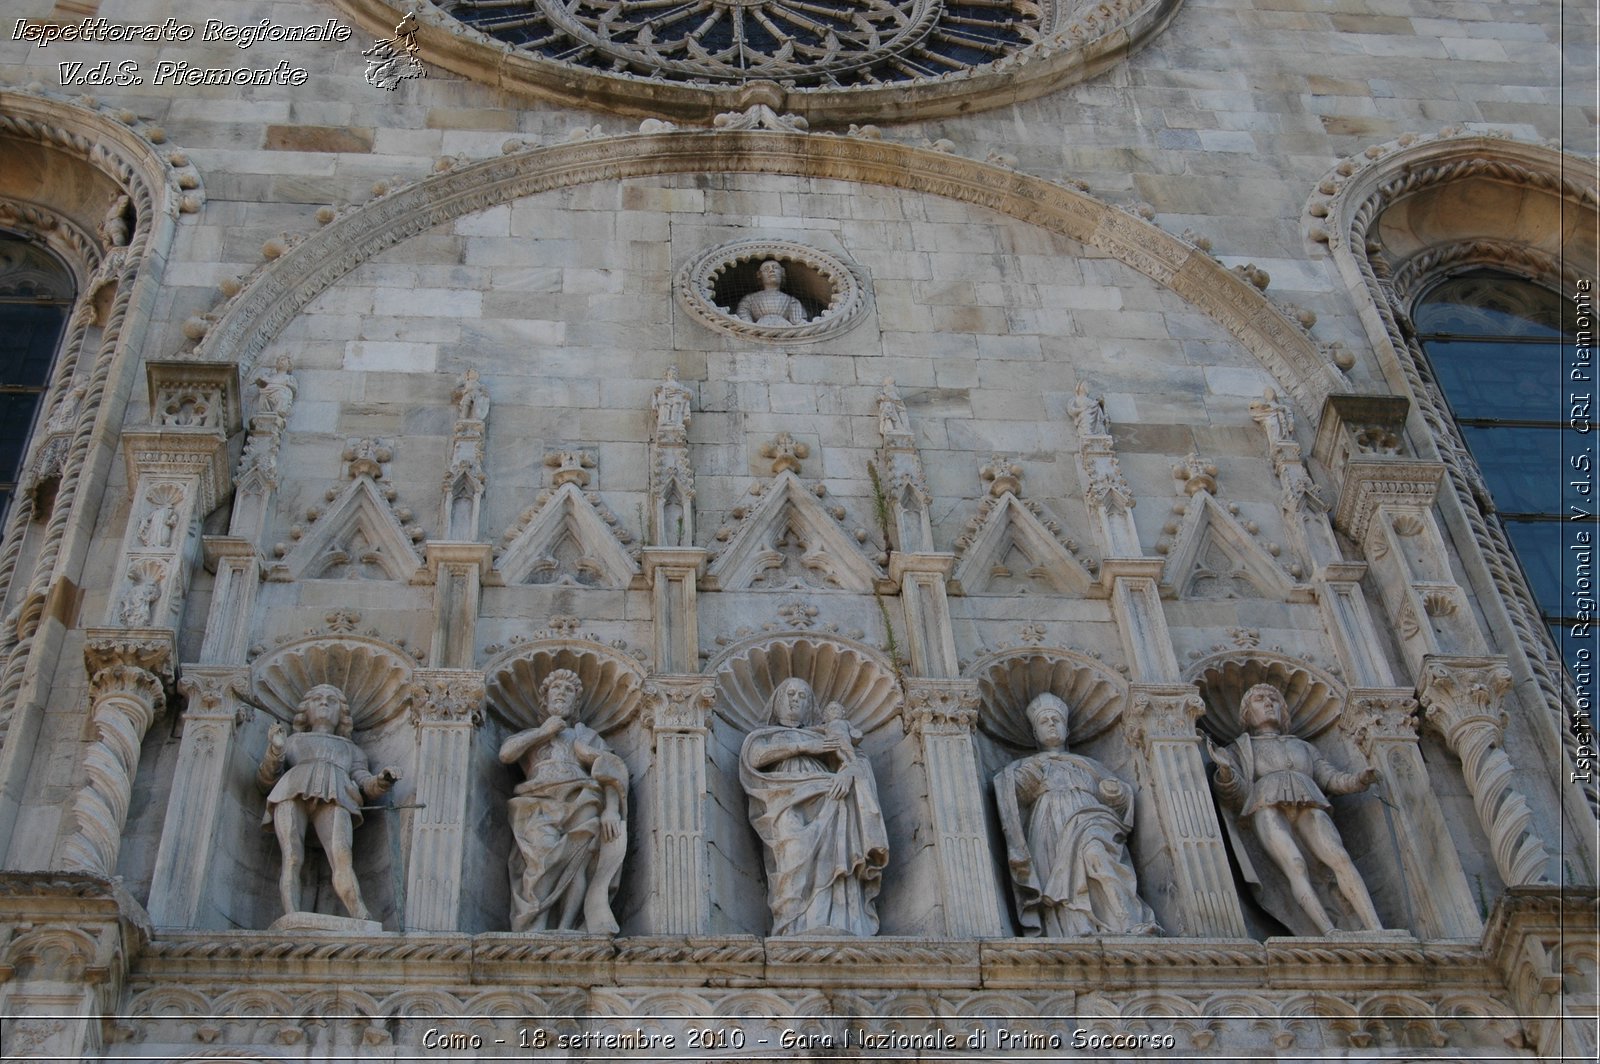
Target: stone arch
(67, 166)
(1009, 679)
(613, 682)
(278, 292)
(1315, 697)
(1534, 209)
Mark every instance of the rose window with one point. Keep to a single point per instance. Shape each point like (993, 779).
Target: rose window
(835, 43)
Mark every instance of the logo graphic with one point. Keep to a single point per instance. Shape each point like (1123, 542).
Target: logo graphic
(391, 61)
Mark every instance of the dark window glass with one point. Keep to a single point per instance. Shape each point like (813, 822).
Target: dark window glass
(35, 294)
(1498, 346)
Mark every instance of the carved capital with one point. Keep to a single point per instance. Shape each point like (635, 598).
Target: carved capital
(448, 696)
(1380, 715)
(1462, 695)
(1158, 712)
(214, 692)
(115, 658)
(680, 704)
(944, 705)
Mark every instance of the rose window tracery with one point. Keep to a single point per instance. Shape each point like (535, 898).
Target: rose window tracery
(808, 42)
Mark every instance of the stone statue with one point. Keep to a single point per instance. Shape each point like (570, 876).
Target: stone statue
(114, 229)
(66, 409)
(1274, 416)
(671, 404)
(566, 818)
(1088, 412)
(157, 527)
(278, 387)
(139, 604)
(1278, 786)
(771, 305)
(893, 424)
(472, 398)
(814, 803)
(326, 780)
(1066, 821)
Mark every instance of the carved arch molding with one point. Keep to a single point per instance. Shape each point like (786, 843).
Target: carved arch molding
(250, 320)
(869, 61)
(1414, 210)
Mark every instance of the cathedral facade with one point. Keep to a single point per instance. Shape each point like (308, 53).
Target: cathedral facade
(780, 528)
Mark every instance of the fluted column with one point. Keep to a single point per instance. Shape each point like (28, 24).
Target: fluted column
(677, 714)
(1462, 701)
(129, 671)
(213, 712)
(1383, 723)
(942, 713)
(1174, 795)
(449, 704)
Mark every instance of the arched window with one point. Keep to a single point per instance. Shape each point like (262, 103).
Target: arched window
(36, 294)
(1499, 347)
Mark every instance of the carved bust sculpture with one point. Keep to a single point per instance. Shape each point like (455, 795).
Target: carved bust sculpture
(771, 305)
(1066, 821)
(318, 777)
(566, 818)
(814, 803)
(1277, 785)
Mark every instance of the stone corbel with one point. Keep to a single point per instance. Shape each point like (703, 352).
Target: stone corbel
(1382, 722)
(130, 672)
(1462, 698)
(448, 705)
(213, 712)
(677, 710)
(1174, 800)
(942, 714)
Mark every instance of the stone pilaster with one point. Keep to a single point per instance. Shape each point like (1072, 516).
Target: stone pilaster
(1386, 506)
(1348, 621)
(673, 573)
(899, 478)
(448, 704)
(129, 673)
(671, 471)
(237, 564)
(213, 712)
(677, 712)
(1134, 587)
(1461, 698)
(1383, 723)
(461, 500)
(1105, 490)
(921, 579)
(942, 713)
(1160, 724)
(458, 570)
